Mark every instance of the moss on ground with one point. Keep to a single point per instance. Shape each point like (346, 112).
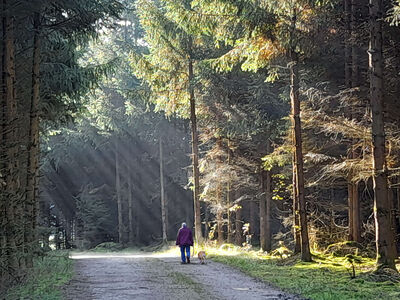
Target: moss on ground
(44, 282)
(327, 277)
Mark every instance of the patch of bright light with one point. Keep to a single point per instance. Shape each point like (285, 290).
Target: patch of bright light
(120, 255)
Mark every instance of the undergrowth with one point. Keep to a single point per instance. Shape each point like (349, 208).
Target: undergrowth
(326, 278)
(45, 280)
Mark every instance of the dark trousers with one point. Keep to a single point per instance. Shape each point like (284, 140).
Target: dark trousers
(183, 248)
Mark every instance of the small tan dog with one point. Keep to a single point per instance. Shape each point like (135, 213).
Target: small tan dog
(202, 257)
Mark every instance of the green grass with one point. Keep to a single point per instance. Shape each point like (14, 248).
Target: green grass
(325, 278)
(46, 278)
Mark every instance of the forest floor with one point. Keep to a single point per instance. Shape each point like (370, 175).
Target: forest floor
(327, 277)
(160, 276)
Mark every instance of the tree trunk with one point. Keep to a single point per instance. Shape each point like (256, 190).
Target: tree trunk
(355, 82)
(238, 226)
(131, 234)
(137, 219)
(348, 75)
(347, 43)
(33, 150)
(44, 221)
(10, 142)
(265, 212)
(163, 204)
(220, 210)
(67, 235)
(229, 196)
(253, 222)
(295, 103)
(57, 235)
(265, 208)
(296, 218)
(206, 221)
(356, 213)
(195, 156)
(385, 242)
(220, 224)
(398, 217)
(118, 193)
(3, 234)
(355, 64)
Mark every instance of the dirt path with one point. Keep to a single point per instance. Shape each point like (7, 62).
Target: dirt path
(147, 276)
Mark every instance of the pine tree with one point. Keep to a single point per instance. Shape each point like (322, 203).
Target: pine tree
(268, 38)
(171, 78)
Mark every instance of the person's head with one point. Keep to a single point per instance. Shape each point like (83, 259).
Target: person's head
(184, 225)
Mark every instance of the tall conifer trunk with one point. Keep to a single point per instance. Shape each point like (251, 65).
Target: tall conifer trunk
(296, 217)
(163, 204)
(118, 193)
(253, 222)
(297, 147)
(298, 170)
(355, 82)
(3, 240)
(229, 196)
(131, 234)
(220, 212)
(238, 225)
(385, 241)
(10, 142)
(137, 221)
(347, 42)
(33, 149)
(347, 79)
(195, 153)
(265, 208)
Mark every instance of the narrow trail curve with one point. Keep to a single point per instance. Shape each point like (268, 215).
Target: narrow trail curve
(148, 276)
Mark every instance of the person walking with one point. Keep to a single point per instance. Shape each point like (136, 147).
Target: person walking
(184, 240)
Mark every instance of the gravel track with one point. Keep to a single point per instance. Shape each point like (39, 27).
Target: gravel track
(149, 276)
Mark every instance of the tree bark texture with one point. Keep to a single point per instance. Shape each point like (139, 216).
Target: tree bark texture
(347, 42)
(297, 148)
(10, 143)
(296, 218)
(33, 150)
(385, 241)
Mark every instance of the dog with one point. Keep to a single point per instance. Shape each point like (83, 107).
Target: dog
(202, 257)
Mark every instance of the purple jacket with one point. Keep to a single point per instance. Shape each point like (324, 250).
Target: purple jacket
(185, 237)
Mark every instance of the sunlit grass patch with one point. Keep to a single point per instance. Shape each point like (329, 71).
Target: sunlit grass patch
(327, 277)
(45, 280)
